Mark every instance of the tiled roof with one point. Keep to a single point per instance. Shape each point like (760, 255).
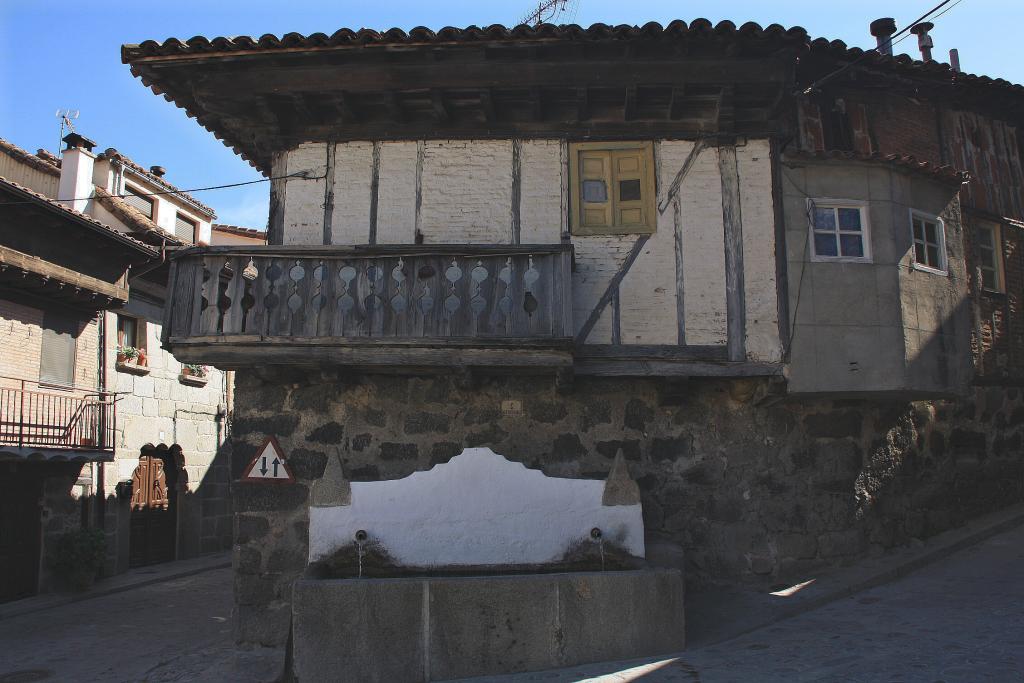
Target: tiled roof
(82, 218)
(421, 35)
(36, 161)
(133, 217)
(238, 230)
(550, 32)
(111, 153)
(909, 163)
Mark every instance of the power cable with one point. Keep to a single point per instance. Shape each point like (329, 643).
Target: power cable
(301, 174)
(828, 77)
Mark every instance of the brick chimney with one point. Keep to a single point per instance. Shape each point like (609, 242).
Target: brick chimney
(76, 168)
(882, 29)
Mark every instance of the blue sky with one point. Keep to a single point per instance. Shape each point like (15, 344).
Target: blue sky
(59, 54)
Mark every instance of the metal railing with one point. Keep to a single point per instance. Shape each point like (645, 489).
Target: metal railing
(72, 419)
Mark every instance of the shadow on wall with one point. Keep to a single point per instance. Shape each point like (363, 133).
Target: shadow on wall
(168, 521)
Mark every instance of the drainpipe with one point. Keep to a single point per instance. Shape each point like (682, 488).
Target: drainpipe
(99, 477)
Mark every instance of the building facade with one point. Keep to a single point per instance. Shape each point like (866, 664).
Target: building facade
(108, 353)
(566, 243)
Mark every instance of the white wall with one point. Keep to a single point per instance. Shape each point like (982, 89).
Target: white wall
(478, 509)
(466, 197)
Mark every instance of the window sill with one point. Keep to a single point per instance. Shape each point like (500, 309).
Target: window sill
(193, 381)
(131, 368)
(840, 259)
(993, 293)
(928, 269)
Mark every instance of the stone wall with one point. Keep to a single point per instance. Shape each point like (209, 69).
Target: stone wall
(751, 492)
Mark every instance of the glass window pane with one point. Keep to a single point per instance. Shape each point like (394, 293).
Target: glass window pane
(987, 258)
(988, 278)
(851, 245)
(595, 191)
(825, 244)
(919, 253)
(824, 219)
(918, 229)
(629, 190)
(933, 256)
(930, 232)
(849, 219)
(986, 238)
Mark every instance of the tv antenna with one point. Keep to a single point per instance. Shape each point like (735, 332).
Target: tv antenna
(545, 11)
(66, 116)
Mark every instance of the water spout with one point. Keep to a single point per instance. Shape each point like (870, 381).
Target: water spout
(361, 537)
(598, 537)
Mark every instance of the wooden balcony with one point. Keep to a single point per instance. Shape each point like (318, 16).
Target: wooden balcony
(396, 305)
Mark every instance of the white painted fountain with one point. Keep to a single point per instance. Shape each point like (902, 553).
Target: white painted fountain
(478, 566)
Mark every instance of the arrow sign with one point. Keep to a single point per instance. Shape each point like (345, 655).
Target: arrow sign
(270, 464)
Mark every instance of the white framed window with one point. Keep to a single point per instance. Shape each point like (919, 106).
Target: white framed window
(929, 236)
(990, 256)
(839, 230)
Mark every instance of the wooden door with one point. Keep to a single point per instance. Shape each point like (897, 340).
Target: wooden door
(20, 528)
(154, 526)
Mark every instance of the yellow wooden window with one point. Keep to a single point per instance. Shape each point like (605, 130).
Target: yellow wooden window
(612, 188)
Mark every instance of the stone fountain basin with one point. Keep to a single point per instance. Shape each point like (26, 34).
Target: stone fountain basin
(443, 627)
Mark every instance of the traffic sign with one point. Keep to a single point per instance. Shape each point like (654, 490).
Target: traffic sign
(269, 464)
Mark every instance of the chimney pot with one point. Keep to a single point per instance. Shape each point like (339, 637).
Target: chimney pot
(882, 29)
(924, 41)
(76, 141)
(158, 171)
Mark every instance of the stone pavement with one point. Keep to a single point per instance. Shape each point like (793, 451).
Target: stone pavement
(169, 631)
(960, 619)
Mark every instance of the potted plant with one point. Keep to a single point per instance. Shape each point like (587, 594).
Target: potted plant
(127, 354)
(194, 374)
(78, 556)
(194, 370)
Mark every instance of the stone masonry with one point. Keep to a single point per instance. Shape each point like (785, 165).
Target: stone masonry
(751, 492)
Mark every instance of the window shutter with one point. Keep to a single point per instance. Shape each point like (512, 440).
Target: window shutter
(184, 229)
(595, 190)
(143, 204)
(57, 355)
(629, 188)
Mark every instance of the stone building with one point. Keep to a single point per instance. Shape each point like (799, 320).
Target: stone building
(746, 259)
(103, 356)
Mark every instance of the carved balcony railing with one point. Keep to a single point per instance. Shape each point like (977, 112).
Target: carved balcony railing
(457, 305)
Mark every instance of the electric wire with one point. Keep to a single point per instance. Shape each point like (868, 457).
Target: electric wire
(177, 192)
(828, 77)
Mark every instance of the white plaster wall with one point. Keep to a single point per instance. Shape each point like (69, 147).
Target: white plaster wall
(479, 509)
(541, 213)
(760, 286)
(353, 170)
(304, 198)
(396, 204)
(703, 251)
(467, 191)
(598, 258)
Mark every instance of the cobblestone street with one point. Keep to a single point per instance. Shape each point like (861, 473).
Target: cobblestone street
(961, 619)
